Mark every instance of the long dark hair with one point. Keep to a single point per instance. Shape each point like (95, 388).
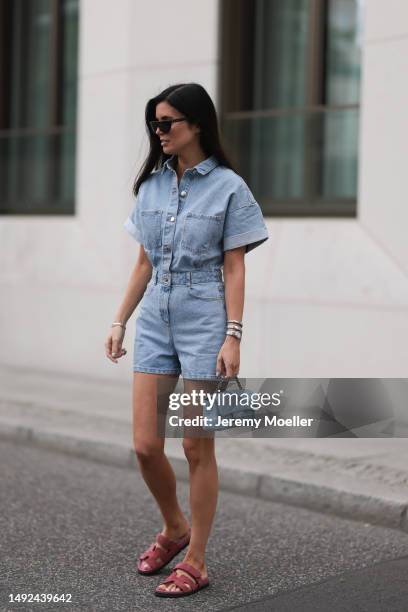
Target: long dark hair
(193, 101)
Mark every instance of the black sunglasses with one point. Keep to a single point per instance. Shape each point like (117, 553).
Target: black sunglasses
(165, 124)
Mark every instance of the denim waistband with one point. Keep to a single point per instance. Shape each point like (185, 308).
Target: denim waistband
(186, 278)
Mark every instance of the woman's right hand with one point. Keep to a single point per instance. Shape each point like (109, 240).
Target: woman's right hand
(113, 343)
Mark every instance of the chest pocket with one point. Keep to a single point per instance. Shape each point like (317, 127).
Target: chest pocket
(201, 233)
(151, 227)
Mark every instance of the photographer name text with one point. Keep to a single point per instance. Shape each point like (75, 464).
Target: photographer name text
(254, 422)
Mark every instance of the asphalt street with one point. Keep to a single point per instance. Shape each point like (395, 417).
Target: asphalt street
(69, 525)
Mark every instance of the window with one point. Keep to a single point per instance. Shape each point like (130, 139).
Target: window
(289, 98)
(38, 97)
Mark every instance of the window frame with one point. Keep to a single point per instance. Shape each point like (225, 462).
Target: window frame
(53, 164)
(234, 87)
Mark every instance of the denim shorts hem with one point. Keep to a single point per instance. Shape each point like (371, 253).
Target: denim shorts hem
(191, 376)
(155, 370)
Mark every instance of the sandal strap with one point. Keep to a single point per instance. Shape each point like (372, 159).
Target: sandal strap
(164, 541)
(151, 553)
(185, 583)
(190, 569)
(147, 552)
(170, 547)
(154, 550)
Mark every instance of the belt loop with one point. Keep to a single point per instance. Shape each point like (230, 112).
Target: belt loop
(190, 280)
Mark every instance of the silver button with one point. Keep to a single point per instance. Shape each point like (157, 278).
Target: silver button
(171, 218)
(183, 193)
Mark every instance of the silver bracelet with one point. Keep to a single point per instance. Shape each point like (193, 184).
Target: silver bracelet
(115, 323)
(233, 333)
(236, 322)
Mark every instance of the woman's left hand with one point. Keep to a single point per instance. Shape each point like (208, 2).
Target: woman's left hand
(229, 357)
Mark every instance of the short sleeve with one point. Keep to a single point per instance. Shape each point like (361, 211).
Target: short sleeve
(244, 222)
(133, 222)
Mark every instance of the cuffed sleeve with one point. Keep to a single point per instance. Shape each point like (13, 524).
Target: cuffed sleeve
(133, 222)
(244, 223)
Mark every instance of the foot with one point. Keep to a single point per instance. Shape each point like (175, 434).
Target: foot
(202, 568)
(173, 533)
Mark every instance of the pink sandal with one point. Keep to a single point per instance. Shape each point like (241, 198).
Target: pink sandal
(156, 558)
(188, 584)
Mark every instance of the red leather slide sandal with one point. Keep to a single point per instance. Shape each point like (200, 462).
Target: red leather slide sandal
(154, 558)
(188, 584)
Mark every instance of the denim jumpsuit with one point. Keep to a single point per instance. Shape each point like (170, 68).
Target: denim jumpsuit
(185, 229)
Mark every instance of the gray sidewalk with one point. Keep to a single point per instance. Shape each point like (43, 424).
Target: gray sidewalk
(365, 479)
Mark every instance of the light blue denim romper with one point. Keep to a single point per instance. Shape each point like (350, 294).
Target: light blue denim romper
(185, 230)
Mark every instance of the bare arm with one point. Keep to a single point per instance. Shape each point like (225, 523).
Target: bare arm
(139, 278)
(234, 277)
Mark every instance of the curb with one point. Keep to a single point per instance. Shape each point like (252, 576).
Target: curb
(344, 497)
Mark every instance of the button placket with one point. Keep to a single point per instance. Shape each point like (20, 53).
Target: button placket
(184, 186)
(167, 254)
(170, 226)
(172, 214)
(177, 198)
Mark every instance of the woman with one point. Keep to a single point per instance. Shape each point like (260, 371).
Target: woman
(193, 215)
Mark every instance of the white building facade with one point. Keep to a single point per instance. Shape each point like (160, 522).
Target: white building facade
(326, 295)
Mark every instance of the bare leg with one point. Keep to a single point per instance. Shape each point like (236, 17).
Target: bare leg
(150, 400)
(200, 453)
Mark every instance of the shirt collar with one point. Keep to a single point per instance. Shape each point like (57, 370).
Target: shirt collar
(203, 167)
